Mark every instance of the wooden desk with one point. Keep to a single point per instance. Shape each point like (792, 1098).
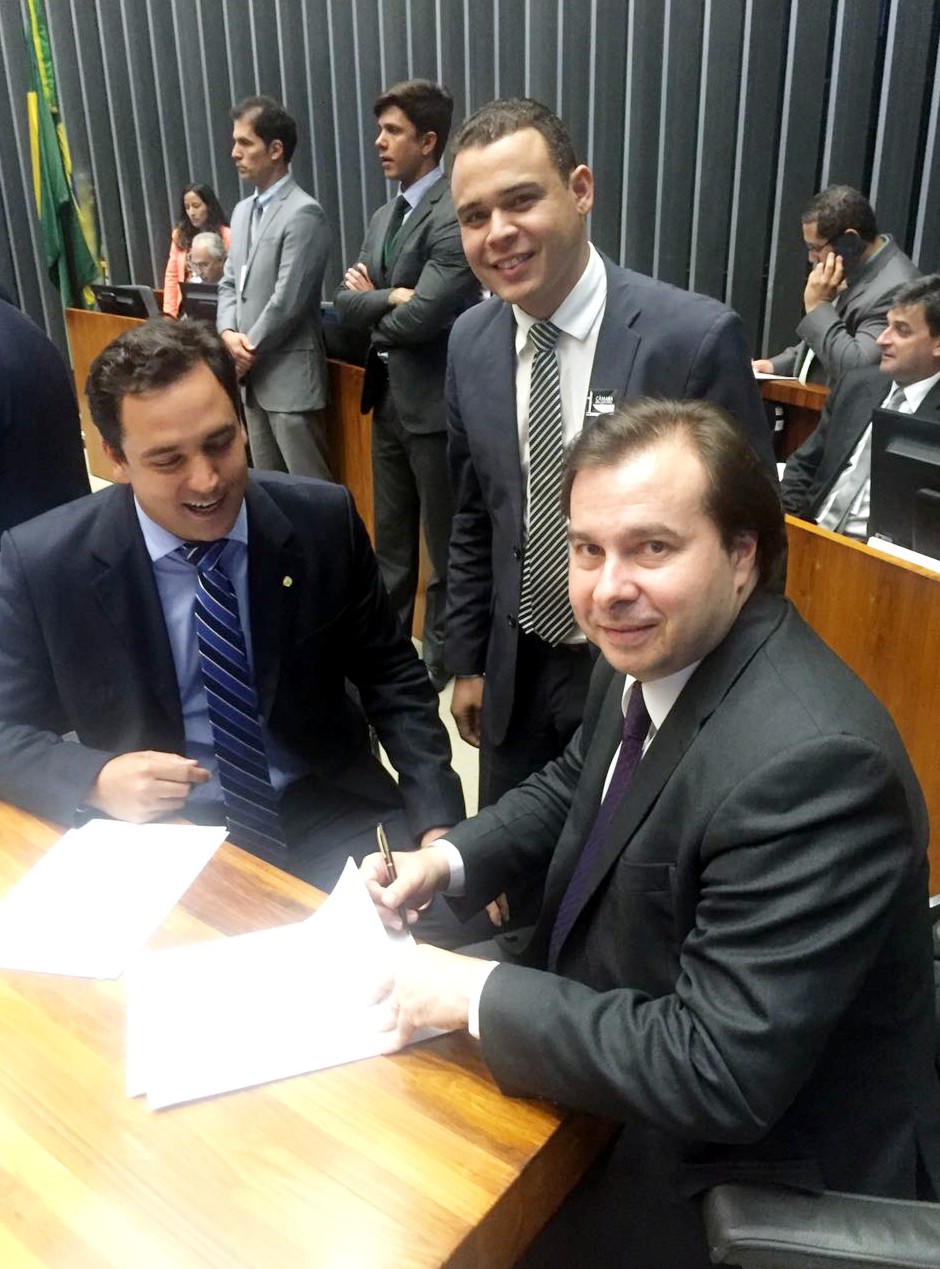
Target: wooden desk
(803, 403)
(411, 1161)
(882, 616)
(88, 332)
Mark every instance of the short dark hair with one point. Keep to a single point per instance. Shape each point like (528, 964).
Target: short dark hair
(741, 497)
(429, 107)
(270, 121)
(838, 208)
(153, 356)
(500, 119)
(184, 231)
(924, 291)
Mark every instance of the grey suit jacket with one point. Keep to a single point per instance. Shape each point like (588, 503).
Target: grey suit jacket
(842, 334)
(750, 970)
(428, 258)
(272, 294)
(84, 648)
(654, 340)
(812, 470)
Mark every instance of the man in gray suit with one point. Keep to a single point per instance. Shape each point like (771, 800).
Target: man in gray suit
(826, 479)
(856, 270)
(269, 297)
(410, 281)
(733, 958)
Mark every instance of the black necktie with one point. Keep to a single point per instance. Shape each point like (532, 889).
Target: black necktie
(244, 774)
(394, 229)
(254, 220)
(636, 725)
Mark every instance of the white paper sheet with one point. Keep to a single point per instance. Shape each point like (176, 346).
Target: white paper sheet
(96, 896)
(236, 1012)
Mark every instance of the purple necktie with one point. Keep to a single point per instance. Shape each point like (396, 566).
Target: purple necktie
(636, 725)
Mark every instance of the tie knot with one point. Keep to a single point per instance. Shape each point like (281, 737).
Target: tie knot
(897, 399)
(544, 336)
(636, 721)
(202, 555)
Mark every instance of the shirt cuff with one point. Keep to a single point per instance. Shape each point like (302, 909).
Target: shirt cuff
(473, 1004)
(457, 883)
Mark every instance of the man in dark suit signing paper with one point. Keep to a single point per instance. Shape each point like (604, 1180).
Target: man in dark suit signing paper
(733, 956)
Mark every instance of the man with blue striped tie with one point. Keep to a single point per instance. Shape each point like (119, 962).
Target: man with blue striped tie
(198, 628)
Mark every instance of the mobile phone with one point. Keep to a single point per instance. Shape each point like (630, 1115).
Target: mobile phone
(850, 246)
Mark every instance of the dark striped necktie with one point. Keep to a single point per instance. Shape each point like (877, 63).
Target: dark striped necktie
(396, 220)
(544, 609)
(250, 800)
(636, 725)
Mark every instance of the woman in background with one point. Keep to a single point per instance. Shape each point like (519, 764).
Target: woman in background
(200, 212)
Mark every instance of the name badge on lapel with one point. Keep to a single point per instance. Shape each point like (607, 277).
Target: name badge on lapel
(599, 403)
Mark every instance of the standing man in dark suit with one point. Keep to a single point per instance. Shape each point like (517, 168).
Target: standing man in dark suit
(522, 200)
(112, 609)
(269, 297)
(42, 463)
(410, 281)
(828, 478)
(736, 922)
(855, 272)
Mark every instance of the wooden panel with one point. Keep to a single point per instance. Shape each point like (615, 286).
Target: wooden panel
(351, 437)
(412, 1160)
(802, 405)
(88, 333)
(882, 616)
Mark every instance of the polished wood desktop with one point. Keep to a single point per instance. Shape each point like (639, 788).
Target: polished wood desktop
(415, 1160)
(802, 405)
(882, 616)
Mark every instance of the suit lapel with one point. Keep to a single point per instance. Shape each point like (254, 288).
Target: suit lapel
(617, 342)
(125, 588)
(276, 573)
(268, 220)
(495, 383)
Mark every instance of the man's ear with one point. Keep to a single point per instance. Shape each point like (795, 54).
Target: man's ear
(428, 142)
(276, 149)
(118, 462)
(581, 184)
(744, 553)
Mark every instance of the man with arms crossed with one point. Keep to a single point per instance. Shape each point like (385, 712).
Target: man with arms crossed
(409, 282)
(269, 296)
(736, 923)
(195, 627)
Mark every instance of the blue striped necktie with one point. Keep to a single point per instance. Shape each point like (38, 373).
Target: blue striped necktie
(250, 800)
(636, 725)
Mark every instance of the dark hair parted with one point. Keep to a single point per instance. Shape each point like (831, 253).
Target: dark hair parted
(498, 119)
(270, 121)
(429, 107)
(741, 496)
(838, 208)
(149, 357)
(184, 231)
(924, 291)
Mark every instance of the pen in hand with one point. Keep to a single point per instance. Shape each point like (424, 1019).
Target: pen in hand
(390, 868)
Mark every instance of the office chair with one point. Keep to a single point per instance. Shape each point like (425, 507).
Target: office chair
(769, 1227)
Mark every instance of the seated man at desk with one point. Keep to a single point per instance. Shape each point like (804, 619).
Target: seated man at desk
(196, 627)
(207, 257)
(855, 272)
(733, 957)
(827, 479)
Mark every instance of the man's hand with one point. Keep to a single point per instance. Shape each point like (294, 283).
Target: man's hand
(145, 786)
(466, 705)
(421, 873)
(242, 350)
(400, 294)
(823, 283)
(762, 366)
(357, 278)
(433, 988)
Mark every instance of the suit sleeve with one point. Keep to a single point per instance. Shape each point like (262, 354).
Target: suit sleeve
(226, 310)
(444, 288)
(827, 334)
(304, 248)
(362, 309)
(801, 473)
(798, 882)
(39, 771)
(470, 557)
(784, 363)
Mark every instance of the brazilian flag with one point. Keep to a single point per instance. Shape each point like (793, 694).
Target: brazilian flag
(67, 231)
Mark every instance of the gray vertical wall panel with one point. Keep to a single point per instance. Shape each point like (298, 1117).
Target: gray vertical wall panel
(708, 122)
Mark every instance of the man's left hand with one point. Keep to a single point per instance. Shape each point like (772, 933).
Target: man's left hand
(824, 282)
(400, 294)
(433, 988)
(357, 278)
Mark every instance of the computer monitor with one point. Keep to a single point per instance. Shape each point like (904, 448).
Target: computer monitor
(126, 301)
(200, 301)
(905, 481)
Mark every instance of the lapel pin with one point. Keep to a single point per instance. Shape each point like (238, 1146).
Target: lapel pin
(287, 581)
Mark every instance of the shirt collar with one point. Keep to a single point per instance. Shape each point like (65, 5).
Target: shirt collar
(265, 197)
(417, 189)
(915, 392)
(661, 694)
(578, 311)
(161, 542)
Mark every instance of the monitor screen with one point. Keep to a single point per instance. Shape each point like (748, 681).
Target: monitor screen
(126, 301)
(200, 301)
(905, 481)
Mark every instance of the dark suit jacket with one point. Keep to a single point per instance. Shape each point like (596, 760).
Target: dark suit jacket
(272, 294)
(42, 463)
(83, 647)
(428, 258)
(750, 973)
(655, 340)
(812, 470)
